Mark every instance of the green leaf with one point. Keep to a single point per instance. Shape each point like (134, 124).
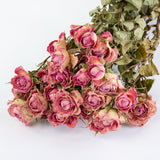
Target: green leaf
(138, 33)
(119, 36)
(136, 3)
(126, 45)
(141, 22)
(106, 17)
(123, 60)
(141, 53)
(94, 11)
(155, 13)
(129, 25)
(148, 70)
(128, 76)
(151, 3)
(105, 2)
(149, 83)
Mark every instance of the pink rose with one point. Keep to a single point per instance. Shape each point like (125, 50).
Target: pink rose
(85, 113)
(56, 119)
(81, 78)
(111, 55)
(60, 57)
(43, 74)
(50, 91)
(125, 100)
(67, 103)
(84, 35)
(112, 85)
(95, 70)
(72, 121)
(94, 101)
(22, 82)
(64, 78)
(107, 36)
(142, 111)
(100, 49)
(19, 110)
(37, 104)
(102, 46)
(104, 121)
(51, 49)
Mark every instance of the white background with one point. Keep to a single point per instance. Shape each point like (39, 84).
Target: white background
(26, 28)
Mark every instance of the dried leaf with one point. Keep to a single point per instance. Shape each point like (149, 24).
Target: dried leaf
(126, 45)
(129, 25)
(148, 70)
(138, 33)
(150, 3)
(136, 3)
(123, 60)
(141, 53)
(105, 2)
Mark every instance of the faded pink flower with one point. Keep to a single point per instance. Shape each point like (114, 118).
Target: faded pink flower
(107, 36)
(36, 103)
(125, 100)
(19, 110)
(84, 35)
(111, 55)
(100, 49)
(142, 111)
(112, 85)
(64, 78)
(104, 121)
(94, 101)
(43, 74)
(56, 119)
(60, 57)
(50, 91)
(22, 82)
(81, 78)
(66, 103)
(51, 49)
(95, 70)
(72, 121)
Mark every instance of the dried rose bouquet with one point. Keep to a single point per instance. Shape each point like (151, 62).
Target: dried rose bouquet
(98, 74)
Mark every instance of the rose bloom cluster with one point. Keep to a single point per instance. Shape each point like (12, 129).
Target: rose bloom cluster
(77, 85)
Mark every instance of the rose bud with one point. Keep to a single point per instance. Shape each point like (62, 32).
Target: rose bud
(43, 75)
(104, 121)
(49, 91)
(19, 110)
(51, 49)
(22, 82)
(63, 78)
(67, 103)
(81, 78)
(142, 111)
(112, 85)
(125, 100)
(88, 40)
(107, 36)
(94, 101)
(72, 121)
(100, 49)
(95, 70)
(84, 35)
(111, 55)
(56, 119)
(60, 57)
(36, 103)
